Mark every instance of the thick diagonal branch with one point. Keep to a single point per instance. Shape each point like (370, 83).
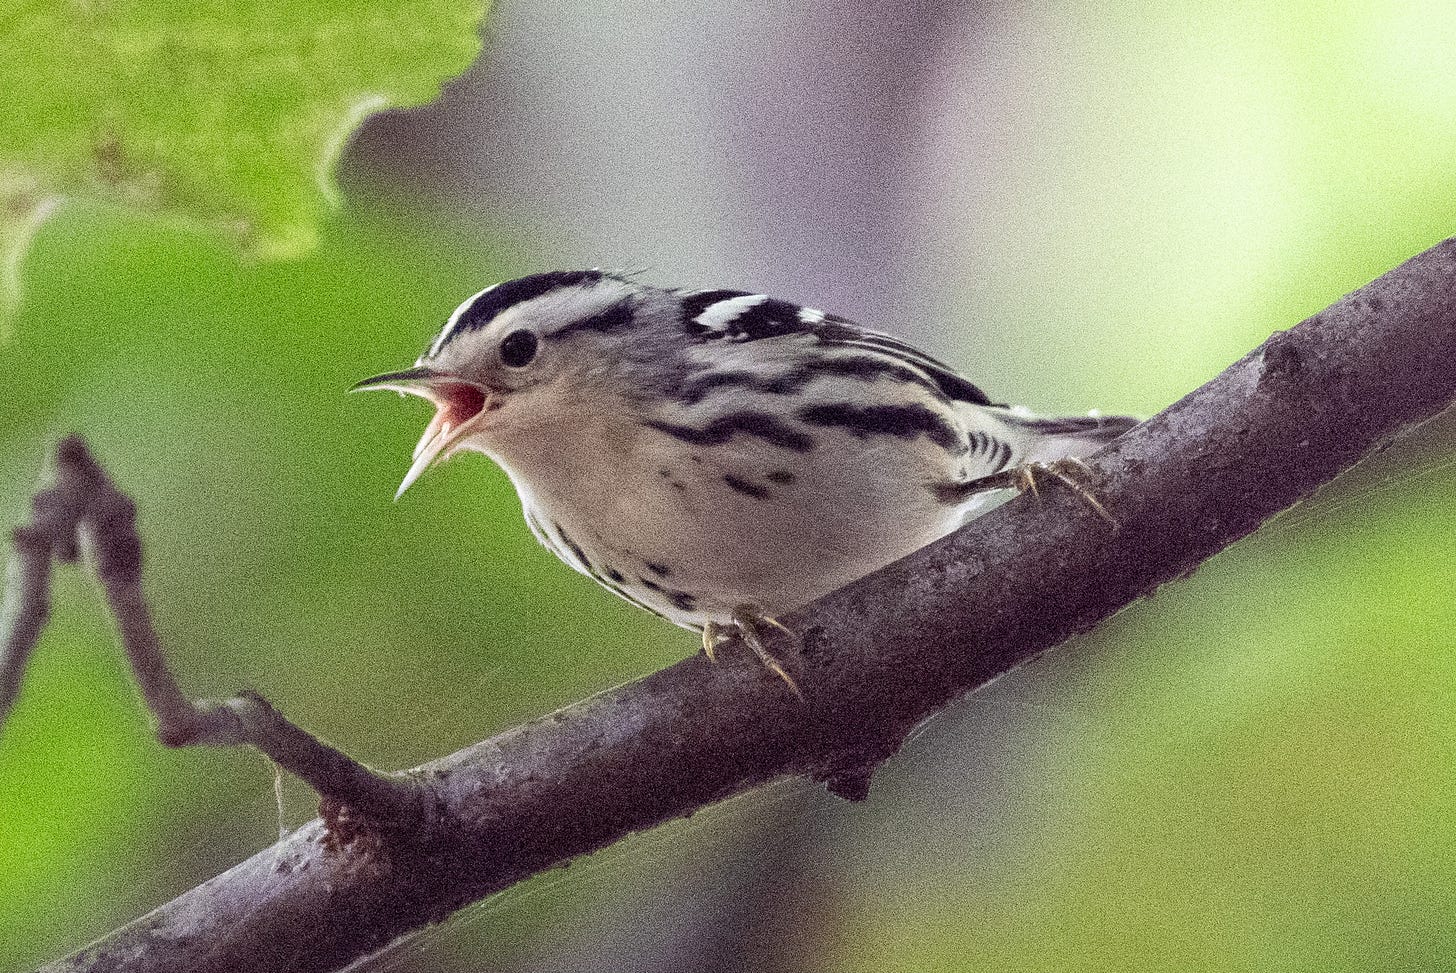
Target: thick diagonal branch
(84, 509)
(880, 655)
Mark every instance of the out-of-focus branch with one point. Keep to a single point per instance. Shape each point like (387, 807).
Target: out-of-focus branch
(50, 536)
(879, 656)
(84, 509)
(756, 893)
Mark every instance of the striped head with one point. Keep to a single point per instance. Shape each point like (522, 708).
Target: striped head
(524, 356)
(535, 371)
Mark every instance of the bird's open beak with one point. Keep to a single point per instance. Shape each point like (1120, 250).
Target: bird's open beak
(458, 405)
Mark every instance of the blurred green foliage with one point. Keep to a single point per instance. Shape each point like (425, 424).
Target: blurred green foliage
(1251, 770)
(231, 114)
(1169, 182)
(277, 559)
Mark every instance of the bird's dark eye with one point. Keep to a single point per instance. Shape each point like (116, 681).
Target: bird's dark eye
(518, 349)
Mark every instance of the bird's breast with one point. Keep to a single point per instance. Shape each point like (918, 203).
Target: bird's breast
(692, 530)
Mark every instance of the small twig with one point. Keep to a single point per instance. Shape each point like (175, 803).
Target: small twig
(879, 655)
(83, 509)
(50, 536)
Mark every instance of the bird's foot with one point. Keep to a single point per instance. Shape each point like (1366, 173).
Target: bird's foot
(1068, 471)
(750, 625)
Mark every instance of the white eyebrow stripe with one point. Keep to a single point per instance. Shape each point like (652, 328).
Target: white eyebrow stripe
(449, 328)
(718, 316)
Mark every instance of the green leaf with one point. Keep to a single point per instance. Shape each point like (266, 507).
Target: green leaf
(226, 114)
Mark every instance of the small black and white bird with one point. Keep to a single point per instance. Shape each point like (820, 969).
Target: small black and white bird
(719, 457)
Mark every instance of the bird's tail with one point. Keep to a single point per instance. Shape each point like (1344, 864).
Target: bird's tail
(1023, 438)
(1054, 439)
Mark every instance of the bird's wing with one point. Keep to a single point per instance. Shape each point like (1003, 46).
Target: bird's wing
(738, 316)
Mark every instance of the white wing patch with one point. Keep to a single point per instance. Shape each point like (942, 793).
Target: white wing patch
(718, 316)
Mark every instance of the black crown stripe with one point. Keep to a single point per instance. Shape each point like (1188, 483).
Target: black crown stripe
(488, 305)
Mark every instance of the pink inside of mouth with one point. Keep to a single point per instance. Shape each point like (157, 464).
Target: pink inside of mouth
(459, 403)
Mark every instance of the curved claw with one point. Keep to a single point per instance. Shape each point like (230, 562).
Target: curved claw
(1062, 470)
(713, 633)
(1023, 479)
(747, 625)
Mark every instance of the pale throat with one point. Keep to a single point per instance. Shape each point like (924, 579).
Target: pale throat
(587, 457)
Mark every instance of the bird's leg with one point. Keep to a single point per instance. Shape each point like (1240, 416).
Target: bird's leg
(1023, 479)
(749, 625)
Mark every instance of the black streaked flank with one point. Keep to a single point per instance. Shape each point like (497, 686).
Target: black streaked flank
(745, 487)
(507, 295)
(779, 476)
(630, 598)
(901, 421)
(575, 549)
(659, 569)
(543, 535)
(764, 425)
(533, 523)
(680, 599)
